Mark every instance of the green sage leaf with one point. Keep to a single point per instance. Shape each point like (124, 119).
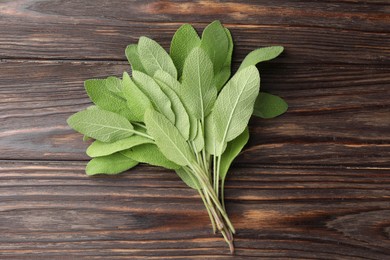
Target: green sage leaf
(101, 125)
(216, 44)
(234, 105)
(182, 121)
(260, 55)
(269, 106)
(105, 99)
(186, 178)
(153, 91)
(162, 76)
(168, 138)
(110, 164)
(199, 91)
(136, 100)
(133, 57)
(98, 148)
(224, 74)
(233, 148)
(154, 57)
(184, 40)
(150, 154)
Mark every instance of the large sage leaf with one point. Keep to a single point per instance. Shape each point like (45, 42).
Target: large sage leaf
(133, 58)
(110, 164)
(269, 106)
(150, 154)
(163, 77)
(98, 148)
(154, 57)
(137, 101)
(184, 40)
(101, 125)
(216, 43)
(182, 121)
(234, 105)
(186, 178)
(224, 74)
(100, 94)
(199, 91)
(259, 55)
(233, 148)
(153, 91)
(168, 138)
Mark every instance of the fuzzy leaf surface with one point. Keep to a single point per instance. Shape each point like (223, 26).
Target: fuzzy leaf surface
(132, 56)
(168, 138)
(154, 57)
(233, 148)
(101, 125)
(150, 154)
(102, 97)
(110, 164)
(162, 76)
(269, 106)
(184, 40)
(136, 100)
(260, 55)
(98, 148)
(199, 91)
(216, 44)
(234, 105)
(224, 74)
(182, 121)
(153, 91)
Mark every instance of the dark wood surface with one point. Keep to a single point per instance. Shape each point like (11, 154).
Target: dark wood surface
(314, 183)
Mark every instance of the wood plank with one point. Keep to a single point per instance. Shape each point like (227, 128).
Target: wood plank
(343, 32)
(341, 14)
(51, 209)
(338, 115)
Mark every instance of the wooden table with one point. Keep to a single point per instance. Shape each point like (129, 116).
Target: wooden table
(314, 183)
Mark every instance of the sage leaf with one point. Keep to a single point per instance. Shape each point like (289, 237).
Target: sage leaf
(269, 106)
(233, 148)
(163, 77)
(184, 40)
(98, 148)
(136, 100)
(168, 138)
(182, 122)
(133, 57)
(259, 55)
(150, 154)
(114, 85)
(101, 125)
(153, 91)
(110, 164)
(198, 142)
(186, 178)
(154, 57)
(234, 105)
(105, 99)
(224, 74)
(216, 44)
(199, 91)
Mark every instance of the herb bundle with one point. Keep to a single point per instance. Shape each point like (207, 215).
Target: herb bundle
(181, 111)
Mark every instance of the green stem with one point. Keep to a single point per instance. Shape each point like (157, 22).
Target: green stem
(206, 204)
(207, 188)
(141, 134)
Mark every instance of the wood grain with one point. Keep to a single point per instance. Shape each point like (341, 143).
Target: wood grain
(57, 211)
(72, 30)
(337, 116)
(313, 183)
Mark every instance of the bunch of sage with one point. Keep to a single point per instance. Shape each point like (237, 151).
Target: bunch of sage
(181, 111)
